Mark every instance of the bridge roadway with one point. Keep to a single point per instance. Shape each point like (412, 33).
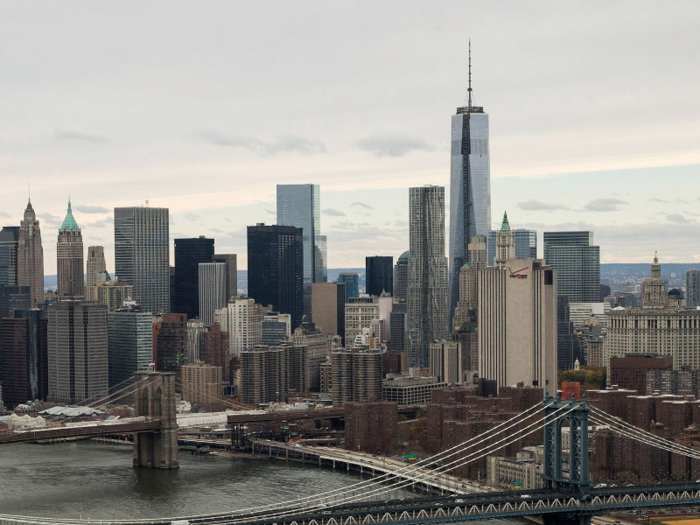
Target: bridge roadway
(89, 429)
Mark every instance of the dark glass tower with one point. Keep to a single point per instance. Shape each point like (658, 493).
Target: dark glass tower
(188, 254)
(577, 263)
(9, 244)
(276, 268)
(380, 274)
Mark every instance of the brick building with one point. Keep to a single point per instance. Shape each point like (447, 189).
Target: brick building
(370, 426)
(630, 372)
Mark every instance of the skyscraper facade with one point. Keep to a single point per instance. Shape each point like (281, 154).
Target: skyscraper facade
(525, 244)
(212, 290)
(189, 253)
(428, 306)
(328, 308)
(275, 268)
(77, 351)
(230, 260)
(577, 262)
(142, 256)
(171, 343)
(130, 343)
(9, 244)
(70, 259)
(352, 284)
(30, 256)
(470, 185)
(401, 277)
(379, 272)
(692, 288)
(299, 205)
(96, 265)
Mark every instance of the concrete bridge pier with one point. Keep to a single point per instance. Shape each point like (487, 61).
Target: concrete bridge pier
(566, 519)
(155, 400)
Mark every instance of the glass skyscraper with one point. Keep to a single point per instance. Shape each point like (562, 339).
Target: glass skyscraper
(470, 186)
(577, 262)
(189, 254)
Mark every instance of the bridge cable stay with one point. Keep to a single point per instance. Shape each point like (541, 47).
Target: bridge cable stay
(406, 469)
(422, 476)
(632, 432)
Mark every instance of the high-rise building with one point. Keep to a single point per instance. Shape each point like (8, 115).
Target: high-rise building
(244, 324)
(70, 259)
(96, 265)
(654, 291)
(109, 292)
(189, 253)
(577, 262)
(446, 363)
(318, 348)
(299, 205)
(13, 298)
(213, 350)
(195, 328)
(25, 359)
(202, 385)
(359, 313)
(428, 307)
(525, 244)
(30, 256)
(275, 268)
(212, 290)
(142, 255)
(130, 343)
(505, 244)
(470, 185)
(401, 277)
(692, 288)
(356, 375)
(351, 281)
(230, 260)
(517, 324)
(328, 308)
(77, 351)
(565, 334)
(379, 272)
(268, 373)
(397, 320)
(275, 328)
(9, 244)
(171, 343)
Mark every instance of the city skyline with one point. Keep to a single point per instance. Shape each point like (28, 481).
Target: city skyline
(581, 132)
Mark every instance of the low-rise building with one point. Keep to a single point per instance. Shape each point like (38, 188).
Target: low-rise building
(410, 390)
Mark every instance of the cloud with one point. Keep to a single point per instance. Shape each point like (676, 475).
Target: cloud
(73, 135)
(83, 208)
(99, 224)
(535, 205)
(3, 214)
(287, 144)
(392, 146)
(362, 205)
(191, 217)
(333, 213)
(660, 201)
(678, 218)
(604, 205)
(270, 212)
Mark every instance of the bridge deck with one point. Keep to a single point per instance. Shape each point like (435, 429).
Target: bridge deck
(78, 431)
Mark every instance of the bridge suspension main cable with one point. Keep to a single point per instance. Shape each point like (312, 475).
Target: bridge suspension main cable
(420, 478)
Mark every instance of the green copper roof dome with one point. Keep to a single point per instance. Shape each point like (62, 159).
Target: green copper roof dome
(69, 223)
(405, 254)
(466, 266)
(505, 227)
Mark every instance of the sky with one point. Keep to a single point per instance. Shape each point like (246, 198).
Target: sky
(203, 107)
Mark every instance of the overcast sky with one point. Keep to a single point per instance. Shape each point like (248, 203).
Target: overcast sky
(202, 107)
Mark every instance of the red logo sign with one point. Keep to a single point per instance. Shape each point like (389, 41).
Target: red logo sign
(516, 274)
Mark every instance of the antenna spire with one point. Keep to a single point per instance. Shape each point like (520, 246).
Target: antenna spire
(470, 75)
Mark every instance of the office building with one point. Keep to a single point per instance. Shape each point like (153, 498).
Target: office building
(25, 357)
(410, 391)
(517, 324)
(202, 386)
(70, 263)
(318, 348)
(77, 351)
(275, 268)
(212, 290)
(213, 350)
(470, 186)
(30, 256)
(275, 328)
(195, 328)
(189, 254)
(428, 307)
(142, 256)
(525, 245)
(692, 288)
(299, 205)
(328, 308)
(401, 277)
(359, 313)
(446, 362)
(356, 375)
(577, 262)
(230, 260)
(352, 284)
(110, 292)
(171, 343)
(379, 272)
(397, 335)
(129, 342)
(96, 265)
(13, 298)
(9, 244)
(565, 334)
(244, 324)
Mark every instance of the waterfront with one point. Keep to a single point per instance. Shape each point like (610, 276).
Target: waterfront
(96, 481)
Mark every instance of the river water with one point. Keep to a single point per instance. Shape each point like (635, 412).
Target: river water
(96, 481)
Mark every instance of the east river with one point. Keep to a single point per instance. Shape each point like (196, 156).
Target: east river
(96, 481)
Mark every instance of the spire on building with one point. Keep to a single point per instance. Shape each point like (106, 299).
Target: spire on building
(505, 226)
(469, 90)
(69, 223)
(505, 243)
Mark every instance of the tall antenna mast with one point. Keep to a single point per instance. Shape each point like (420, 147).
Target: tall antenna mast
(470, 75)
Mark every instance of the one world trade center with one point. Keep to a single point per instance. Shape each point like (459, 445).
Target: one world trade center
(470, 185)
